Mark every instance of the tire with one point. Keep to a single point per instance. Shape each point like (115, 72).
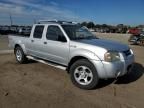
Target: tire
(20, 56)
(83, 74)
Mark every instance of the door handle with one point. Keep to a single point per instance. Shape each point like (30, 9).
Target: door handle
(45, 42)
(32, 40)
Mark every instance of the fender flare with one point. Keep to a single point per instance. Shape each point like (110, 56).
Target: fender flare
(22, 46)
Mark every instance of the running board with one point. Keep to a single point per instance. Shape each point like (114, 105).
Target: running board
(46, 62)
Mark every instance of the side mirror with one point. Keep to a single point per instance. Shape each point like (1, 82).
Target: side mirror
(61, 38)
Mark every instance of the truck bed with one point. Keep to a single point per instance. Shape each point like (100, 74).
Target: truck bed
(13, 39)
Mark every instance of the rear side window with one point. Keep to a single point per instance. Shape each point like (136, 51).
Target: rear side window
(38, 31)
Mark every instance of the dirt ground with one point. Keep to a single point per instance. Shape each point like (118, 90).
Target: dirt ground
(4, 42)
(123, 38)
(36, 85)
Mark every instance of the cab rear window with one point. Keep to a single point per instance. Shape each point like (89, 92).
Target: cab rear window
(38, 31)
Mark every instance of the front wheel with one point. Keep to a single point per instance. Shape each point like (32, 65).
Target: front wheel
(84, 74)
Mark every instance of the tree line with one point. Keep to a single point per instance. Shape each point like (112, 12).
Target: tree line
(120, 28)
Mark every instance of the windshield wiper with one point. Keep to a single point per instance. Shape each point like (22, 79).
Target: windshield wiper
(88, 37)
(91, 37)
(78, 38)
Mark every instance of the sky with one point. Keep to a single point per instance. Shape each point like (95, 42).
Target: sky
(113, 12)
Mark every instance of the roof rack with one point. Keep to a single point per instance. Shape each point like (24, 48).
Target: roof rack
(55, 21)
(46, 21)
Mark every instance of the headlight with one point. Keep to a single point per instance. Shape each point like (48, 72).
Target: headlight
(131, 51)
(111, 56)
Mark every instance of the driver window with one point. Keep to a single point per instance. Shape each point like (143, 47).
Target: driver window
(54, 33)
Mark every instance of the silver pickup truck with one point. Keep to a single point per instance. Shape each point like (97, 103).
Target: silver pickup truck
(86, 57)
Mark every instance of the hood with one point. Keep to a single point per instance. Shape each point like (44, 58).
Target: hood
(107, 44)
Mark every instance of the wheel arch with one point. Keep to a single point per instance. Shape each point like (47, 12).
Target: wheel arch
(74, 59)
(81, 54)
(19, 45)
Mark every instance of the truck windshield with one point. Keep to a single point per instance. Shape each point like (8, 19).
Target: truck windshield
(76, 32)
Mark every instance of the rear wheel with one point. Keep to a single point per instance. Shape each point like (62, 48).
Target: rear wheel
(83, 74)
(20, 56)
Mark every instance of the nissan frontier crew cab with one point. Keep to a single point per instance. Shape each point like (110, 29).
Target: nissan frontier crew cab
(66, 44)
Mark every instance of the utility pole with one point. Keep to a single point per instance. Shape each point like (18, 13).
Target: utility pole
(34, 20)
(11, 22)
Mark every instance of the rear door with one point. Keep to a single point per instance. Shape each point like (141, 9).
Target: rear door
(56, 45)
(36, 41)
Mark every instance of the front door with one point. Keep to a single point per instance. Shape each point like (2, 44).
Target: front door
(56, 45)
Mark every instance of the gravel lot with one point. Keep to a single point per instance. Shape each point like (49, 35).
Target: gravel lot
(36, 85)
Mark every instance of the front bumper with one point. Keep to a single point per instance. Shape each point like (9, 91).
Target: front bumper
(114, 69)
